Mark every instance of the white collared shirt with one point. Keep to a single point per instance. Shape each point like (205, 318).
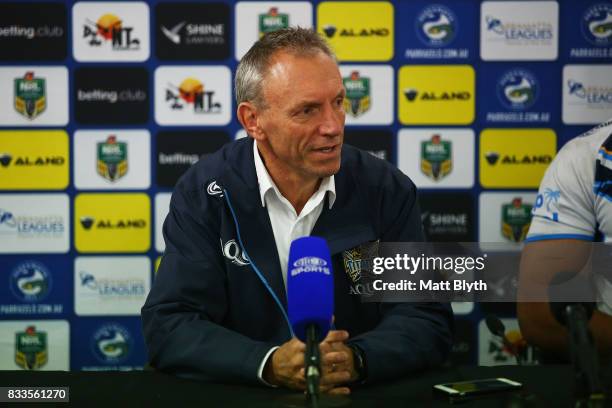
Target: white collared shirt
(286, 224)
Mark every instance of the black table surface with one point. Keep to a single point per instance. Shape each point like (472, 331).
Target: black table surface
(544, 386)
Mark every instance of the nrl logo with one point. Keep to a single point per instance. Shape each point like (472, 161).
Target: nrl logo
(516, 218)
(31, 349)
(272, 21)
(30, 95)
(436, 158)
(112, 161)
(357, 100)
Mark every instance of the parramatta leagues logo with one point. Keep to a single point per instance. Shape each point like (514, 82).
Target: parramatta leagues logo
(436, 26)
(596, 24)
(524, 32)
(110, 29)
(30, 95)
(517, 89)
(191, 94)
(117, 288)
(111, 343)
(30, 281)
(592, 95)
(31, 225)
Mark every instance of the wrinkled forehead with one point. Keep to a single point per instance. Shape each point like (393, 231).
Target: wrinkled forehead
(291, 72)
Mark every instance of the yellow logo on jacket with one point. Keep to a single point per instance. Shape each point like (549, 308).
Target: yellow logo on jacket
(357, 31)
(112, 222)
(436, 94)
(511, 158)
(34, 160)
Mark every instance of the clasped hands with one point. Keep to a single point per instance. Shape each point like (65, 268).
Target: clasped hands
(285, 367)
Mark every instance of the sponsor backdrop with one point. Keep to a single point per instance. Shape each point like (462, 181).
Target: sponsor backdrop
(103, 105)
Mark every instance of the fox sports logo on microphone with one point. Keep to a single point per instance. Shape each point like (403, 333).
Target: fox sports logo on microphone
(310, 264)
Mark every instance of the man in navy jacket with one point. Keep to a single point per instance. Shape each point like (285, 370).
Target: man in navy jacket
(217, 308)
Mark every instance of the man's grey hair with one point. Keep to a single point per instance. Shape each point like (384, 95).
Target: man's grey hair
(253, 66)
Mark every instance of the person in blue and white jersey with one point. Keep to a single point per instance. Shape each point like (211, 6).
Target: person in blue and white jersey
(573, 209)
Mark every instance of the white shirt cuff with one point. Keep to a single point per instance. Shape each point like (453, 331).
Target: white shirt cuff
(263, 364)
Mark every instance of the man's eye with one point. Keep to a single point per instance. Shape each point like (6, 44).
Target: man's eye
(339, 102)
(307, 111)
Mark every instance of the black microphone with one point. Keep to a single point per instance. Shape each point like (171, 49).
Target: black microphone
(567, 294)
(576, 316)
(310, 301)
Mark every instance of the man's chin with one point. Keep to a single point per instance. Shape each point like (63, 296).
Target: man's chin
(328, 170)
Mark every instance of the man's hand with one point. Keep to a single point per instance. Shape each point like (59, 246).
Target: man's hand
(285, 367)
(337, 364)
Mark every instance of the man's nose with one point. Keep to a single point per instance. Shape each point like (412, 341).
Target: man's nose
(332, 121)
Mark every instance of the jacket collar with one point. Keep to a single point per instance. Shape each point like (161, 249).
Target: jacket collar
(345, 225)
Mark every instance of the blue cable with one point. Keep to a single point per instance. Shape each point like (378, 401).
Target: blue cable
(255, 268)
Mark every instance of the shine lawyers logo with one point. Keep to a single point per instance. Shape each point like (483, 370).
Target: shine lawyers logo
(192, 31)
(111, 95)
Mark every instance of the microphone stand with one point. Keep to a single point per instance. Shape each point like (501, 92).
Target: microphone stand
(589, 388)
(313, 365)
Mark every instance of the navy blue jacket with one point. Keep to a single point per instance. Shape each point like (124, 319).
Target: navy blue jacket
(210, 317)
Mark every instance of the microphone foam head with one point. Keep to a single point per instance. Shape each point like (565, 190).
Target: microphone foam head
(310, 286)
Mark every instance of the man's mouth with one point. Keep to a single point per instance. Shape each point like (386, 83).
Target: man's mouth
(326, 149)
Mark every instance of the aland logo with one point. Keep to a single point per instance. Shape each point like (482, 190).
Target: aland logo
(34, 160)
(358, 31)
(112, 222)
(429, 94)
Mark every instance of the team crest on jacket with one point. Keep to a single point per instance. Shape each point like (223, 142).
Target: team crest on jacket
(232, 251)
(352, 263)
(213, 189)
(31, 349)
(30, 95)
(436, 158)
(358, 260)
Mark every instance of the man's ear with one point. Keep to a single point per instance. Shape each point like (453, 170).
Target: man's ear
(247, 114)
